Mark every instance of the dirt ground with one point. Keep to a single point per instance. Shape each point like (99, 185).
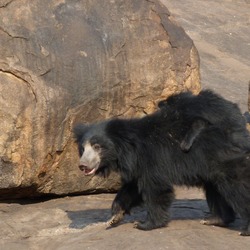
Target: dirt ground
(221, 33)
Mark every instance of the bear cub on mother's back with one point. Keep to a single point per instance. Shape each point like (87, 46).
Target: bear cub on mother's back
(196, 112)
(192, 140)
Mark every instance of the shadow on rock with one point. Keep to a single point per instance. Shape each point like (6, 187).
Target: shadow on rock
(196, 209)
(186, 209)
(181, 209)
(84, 218)
(81, 219)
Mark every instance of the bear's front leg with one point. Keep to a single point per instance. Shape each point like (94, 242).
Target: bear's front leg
(117, 214)
(158, 203)
(127, 197)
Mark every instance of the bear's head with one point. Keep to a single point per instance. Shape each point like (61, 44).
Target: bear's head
(97, 152)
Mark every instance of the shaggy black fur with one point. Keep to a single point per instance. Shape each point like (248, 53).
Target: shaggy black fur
(196, 112)
(148, 155)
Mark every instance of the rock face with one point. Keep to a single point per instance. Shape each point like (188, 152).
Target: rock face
(65, 61)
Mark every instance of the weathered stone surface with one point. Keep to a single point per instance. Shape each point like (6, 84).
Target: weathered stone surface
(79, 223)
(62, 62)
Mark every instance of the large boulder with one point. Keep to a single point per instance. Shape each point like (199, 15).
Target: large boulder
(67, 61)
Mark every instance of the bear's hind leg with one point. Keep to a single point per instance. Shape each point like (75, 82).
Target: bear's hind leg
(240, 200)
(246, 230)
(236, 188)
(222, 212)
(158, 203)
(126, 198)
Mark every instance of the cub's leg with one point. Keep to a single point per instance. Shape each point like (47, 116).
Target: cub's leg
(192, 134)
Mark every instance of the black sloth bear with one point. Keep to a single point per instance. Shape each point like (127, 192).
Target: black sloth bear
(202, 142)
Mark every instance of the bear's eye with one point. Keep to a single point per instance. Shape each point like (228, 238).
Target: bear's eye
(97, 147)
(81, 149)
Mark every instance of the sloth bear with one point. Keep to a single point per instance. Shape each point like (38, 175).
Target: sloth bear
(199, 141)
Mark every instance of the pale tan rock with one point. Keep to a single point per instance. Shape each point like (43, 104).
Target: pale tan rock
(63, 62)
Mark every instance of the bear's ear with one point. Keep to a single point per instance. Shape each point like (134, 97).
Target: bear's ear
(79, 131)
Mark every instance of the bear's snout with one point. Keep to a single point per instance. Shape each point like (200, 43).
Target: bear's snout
(83, 167)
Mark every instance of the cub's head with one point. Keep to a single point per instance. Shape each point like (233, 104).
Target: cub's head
(97, 152)
(176, 100)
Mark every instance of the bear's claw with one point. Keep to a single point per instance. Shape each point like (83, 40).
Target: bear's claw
(115, 219)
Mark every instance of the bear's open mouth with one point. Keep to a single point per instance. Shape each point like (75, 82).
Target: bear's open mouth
(87, 171)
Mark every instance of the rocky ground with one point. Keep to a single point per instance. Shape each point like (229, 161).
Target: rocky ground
(79, 223)
(221, 32)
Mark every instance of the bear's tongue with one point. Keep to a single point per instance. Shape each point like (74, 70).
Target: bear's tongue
(89, 171)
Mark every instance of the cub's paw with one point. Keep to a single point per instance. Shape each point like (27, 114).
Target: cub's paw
(185, 147)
